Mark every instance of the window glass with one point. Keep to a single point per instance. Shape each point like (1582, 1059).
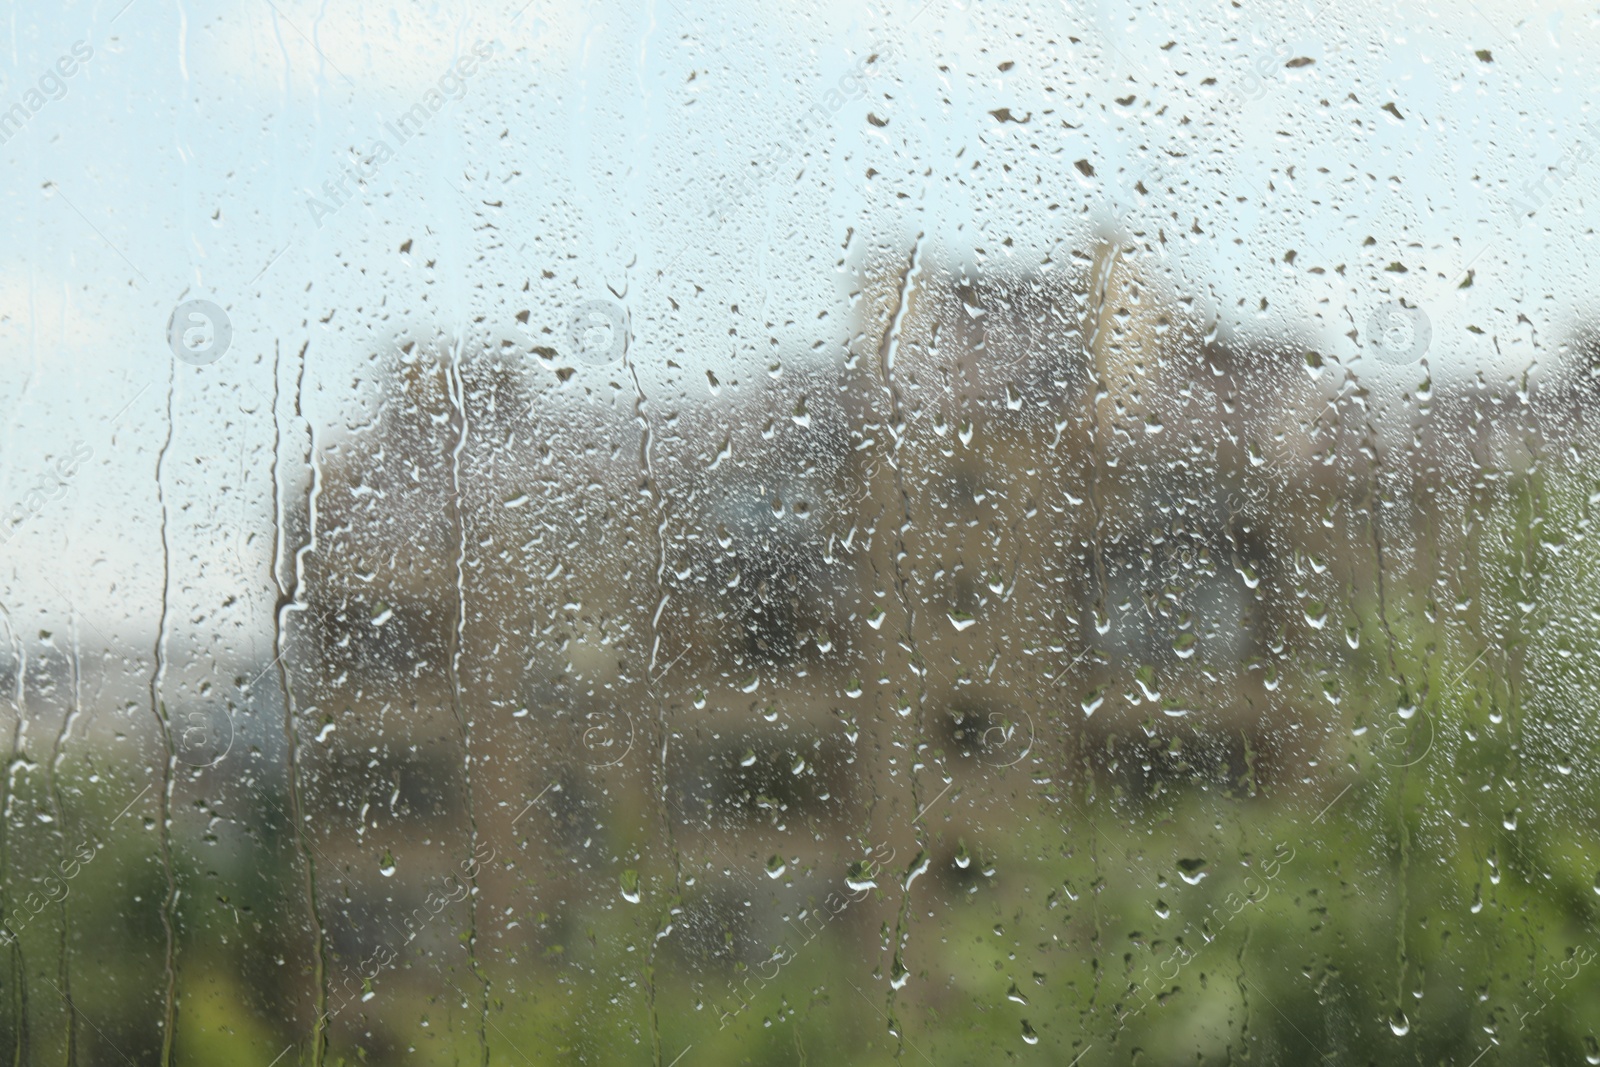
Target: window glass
(689, 534)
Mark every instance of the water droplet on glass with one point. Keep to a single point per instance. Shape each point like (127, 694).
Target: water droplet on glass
(860, 876)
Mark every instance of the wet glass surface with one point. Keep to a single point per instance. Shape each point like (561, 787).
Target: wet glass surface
(680, 534)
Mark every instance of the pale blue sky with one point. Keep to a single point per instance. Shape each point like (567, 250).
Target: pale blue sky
(181, 157)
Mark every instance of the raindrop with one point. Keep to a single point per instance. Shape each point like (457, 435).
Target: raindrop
(1399, 1023)
(860, 876)
(917, 868)
(1028, 1033)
